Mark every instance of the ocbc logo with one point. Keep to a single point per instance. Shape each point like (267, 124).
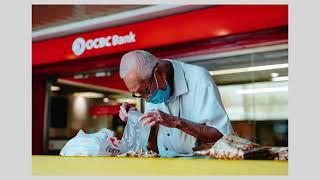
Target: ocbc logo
(80, 44)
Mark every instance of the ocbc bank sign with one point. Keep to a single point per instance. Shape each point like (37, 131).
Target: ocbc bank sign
(80, 45)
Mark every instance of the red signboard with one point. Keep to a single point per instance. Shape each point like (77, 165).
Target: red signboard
(103, 110)
(212, 22)
(110, 83)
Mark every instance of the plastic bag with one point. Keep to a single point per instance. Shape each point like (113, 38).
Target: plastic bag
(135, 139)
(136, 135)
(101, 143)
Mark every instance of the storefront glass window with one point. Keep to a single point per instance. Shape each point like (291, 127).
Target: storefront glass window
(254, 91)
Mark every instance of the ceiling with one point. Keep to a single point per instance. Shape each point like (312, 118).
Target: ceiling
(45, 16)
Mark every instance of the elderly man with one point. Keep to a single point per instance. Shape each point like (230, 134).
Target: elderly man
(182, 101)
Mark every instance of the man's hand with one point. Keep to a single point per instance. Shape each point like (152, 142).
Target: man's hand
(158, 117)
(202, 132)
(123, 112)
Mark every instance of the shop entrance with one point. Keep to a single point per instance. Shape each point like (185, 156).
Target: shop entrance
(89, 101)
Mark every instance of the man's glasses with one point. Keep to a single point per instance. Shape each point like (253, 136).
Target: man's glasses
(139, 95)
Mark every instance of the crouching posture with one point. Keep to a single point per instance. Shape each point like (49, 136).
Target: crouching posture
(182, 103)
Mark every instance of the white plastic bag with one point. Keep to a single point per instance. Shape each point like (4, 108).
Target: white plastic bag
(135, 135)
(101, 143)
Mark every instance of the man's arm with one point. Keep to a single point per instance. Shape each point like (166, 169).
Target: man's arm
(201, 132)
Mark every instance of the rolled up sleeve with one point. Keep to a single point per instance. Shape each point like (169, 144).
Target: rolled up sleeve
(209, 109)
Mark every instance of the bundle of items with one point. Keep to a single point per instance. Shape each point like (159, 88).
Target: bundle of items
(234, 147)
(139, 153)
(103, 143)
(280, 153)
(135, 138)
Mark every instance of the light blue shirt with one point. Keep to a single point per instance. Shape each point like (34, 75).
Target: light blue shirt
(195, 98)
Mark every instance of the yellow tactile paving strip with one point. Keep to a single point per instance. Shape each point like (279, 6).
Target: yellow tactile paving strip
(122, 166)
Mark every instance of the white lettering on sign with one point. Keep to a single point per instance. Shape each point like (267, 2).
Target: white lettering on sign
(80, 45)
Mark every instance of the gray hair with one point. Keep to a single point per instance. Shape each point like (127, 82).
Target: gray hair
(142, 62)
